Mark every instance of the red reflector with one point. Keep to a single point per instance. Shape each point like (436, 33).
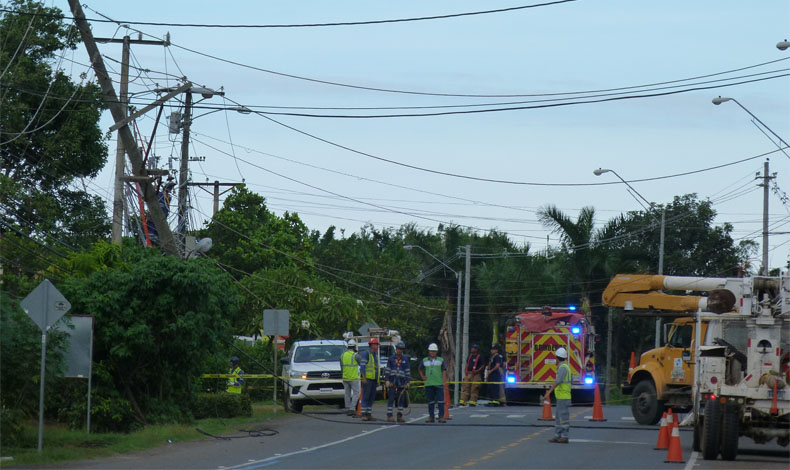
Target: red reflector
(713, 380)
(749, 343)
(723, 399)
(712, 396)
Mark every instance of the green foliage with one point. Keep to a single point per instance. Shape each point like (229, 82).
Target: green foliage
(155, 319)
(50, 129)
(221, 405)
(11, 429)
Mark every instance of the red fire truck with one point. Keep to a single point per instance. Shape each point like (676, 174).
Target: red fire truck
(532, 338)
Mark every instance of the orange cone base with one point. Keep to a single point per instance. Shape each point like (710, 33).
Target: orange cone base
(446, 402)
(675, 453)
(597, 406)
(359, 408)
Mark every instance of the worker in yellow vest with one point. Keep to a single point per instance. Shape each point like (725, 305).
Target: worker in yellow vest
(562, 392)
(349, 363)
(236, 379)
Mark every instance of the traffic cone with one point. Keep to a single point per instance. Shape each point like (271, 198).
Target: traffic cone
(446, 402)
(774, 405)
(546, 411)
(359, 408)
(597, 406)
(663, 434)
(632, 364)
(675, 453)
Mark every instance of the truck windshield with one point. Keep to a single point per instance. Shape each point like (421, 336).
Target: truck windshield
(681, 336)
(319, 353)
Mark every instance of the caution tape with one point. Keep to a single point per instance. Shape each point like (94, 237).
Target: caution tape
(244, 376)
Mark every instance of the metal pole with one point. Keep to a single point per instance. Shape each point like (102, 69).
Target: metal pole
(457, 338)
(274, 368)
(41, 387)
(766, 177)
(609, 355)
(90, 382)
(183, 175)
(216, 198)
(120, 150)
(660, 270)
(467, 287)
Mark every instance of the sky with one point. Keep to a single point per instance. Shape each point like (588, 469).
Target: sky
(332, 171)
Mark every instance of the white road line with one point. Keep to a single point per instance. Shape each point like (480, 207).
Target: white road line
(628, 418)
(692, 459)
(322, 446)
(478, 416)
(610, 442)
(515, 416)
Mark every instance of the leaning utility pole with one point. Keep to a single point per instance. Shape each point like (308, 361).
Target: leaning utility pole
(183, 174)
(467, 288)
(120, 152)
(766, 190)
(116, 108)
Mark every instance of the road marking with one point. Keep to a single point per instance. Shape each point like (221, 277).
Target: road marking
(628, 418)
(610, 442)
(478, 416)
(692, 459)
(516, 416)
(268, 460)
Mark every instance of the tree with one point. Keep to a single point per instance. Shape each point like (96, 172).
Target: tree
(49, 132)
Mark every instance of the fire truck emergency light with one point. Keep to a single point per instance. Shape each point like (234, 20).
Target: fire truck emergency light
(576, 330)
(588, 380)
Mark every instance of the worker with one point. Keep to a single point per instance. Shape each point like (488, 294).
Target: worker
(369, 374)
(349, 362)
(236, 379)
(562, 392)
(473, 375)
(496, 377)
(433, 371)
(398, 376)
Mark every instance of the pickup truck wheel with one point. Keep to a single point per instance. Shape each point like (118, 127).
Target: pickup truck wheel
(290, 406)
(645, 405)
(730, 432)
(711, 430)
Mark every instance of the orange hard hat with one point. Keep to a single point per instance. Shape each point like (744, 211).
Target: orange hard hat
(373, 341)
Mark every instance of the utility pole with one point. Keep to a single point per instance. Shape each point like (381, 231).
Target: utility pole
(660, 269)
(609, 380)
(120, 152)
(111, 99)
(216, 184)
(467, 287)
(183, 172)
(766, 190)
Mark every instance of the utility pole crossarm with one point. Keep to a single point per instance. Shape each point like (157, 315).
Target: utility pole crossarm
(116, 109)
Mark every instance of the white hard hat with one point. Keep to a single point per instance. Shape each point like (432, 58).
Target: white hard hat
(352, 343)
(433, 347)
(561, 352)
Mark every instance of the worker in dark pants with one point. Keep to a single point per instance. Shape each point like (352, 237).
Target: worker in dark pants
(562, 392)
(369, 376)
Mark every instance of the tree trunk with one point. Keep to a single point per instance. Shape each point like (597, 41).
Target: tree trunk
(447, 341)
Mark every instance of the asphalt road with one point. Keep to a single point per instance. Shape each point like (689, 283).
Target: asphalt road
(485, 438)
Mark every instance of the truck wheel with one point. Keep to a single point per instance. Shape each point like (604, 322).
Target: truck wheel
(645, 405)
(290, 406)
(730, 432)
(711, 430)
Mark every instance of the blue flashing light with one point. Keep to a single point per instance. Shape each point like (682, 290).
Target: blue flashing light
(588, 380)
(576, 330)
(511, 379)
(572, 308)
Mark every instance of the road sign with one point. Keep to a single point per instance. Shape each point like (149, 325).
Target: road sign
(45, 305)
(275, 322)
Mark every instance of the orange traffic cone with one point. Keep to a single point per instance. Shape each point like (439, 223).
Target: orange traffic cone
(632, 364)
(663, 434)
(597, 406)
(359, 408)
(446, 402)
(546, 411)
(774, 407)
(675, 453)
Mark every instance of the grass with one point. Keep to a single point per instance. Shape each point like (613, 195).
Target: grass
(62, 445)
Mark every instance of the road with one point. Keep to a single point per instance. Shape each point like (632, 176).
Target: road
(485, 438)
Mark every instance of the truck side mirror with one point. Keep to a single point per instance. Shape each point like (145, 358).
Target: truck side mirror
(686, 355)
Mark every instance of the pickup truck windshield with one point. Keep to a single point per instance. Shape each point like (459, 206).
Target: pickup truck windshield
(319, 353)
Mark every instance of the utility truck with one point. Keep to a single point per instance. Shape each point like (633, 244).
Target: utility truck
(739, 359)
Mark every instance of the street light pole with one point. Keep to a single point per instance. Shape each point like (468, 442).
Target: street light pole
(459, 276)
(601, 171)
(719, 100)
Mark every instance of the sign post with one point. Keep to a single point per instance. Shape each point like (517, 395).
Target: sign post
(45, 305)
(275, 323)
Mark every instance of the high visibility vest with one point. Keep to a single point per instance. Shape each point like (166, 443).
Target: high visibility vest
(234, 382)
(371, 368)
(433, 371)
(563, 390)
(350, 366)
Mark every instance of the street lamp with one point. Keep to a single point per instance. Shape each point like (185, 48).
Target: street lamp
(601, 171)
(720, 100)
(458, 275)
(783, 45)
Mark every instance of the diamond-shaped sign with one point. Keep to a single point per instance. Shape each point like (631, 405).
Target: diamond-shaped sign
(45, 305)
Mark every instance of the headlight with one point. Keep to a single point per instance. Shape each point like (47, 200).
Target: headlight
(297, 374)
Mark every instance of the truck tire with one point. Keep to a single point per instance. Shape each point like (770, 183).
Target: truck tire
(730, 431)
(645, 405)
(290, 406)
(710, 440)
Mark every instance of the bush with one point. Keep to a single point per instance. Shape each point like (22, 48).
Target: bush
(110, 414)
(221, 405)
(11, 427)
